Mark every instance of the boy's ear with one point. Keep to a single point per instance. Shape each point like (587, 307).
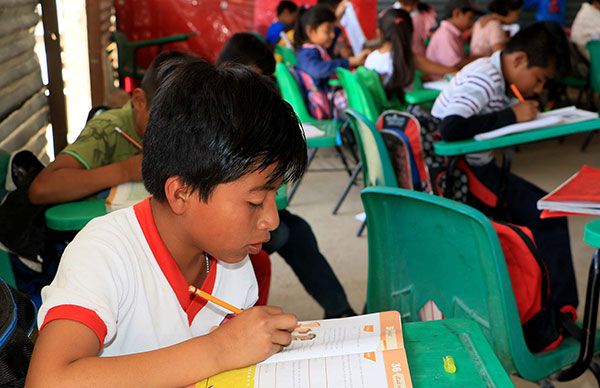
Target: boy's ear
(456, 12)
(520, 59)
(138, 99)
(178, 194)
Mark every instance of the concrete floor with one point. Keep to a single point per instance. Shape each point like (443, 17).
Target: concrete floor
(547, 164)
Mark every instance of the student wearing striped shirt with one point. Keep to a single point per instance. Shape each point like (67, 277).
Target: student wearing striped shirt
(479, 100)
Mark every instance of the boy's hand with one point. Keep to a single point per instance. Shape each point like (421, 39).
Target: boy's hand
(253, 336)
(132, 168)
(526, 111)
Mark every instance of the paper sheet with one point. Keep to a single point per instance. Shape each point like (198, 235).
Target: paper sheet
(125, 195)
(561, 116)
(310, 131)
(436, 85)
(354, 31)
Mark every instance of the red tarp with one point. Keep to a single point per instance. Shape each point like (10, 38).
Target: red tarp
(214, 21)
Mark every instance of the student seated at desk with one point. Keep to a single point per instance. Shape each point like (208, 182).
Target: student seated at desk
(287, 12)
(447, 46)
(488, 34)
(479, 100)
(119, 312)
(294, 239)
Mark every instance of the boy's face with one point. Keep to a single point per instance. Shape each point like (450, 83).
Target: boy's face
(288, 17)
(463, 20)
(323, 35)
(237, 218)
(529, 80)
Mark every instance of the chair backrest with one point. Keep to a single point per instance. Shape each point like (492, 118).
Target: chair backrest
(372, 82)
(359, 99)
(287, 55)
(593, 47)
(425, 248)
(290, 91)
(376, 164)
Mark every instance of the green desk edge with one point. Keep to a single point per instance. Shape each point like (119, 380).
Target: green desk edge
(73, 216)
(591, 234)
(427, 343)
(417, 97)
(462, 147)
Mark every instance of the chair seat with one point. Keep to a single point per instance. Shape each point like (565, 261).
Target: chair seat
(73, 216)
(330, 127)
(421, 96)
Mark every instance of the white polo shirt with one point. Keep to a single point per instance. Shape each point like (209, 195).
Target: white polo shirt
(118, 278)
(479, 88)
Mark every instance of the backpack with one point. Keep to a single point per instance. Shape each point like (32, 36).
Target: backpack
(540, 318)
(17, 326)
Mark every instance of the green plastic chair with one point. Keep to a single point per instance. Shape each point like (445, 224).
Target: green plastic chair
(126, 51)
(359, 98)
(288, 55)
(372, 81)
(290, 91)
(424, 247)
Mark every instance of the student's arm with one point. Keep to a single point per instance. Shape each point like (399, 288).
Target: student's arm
(455, 127)
(65, 353)
(426, 66)
(66, 179)
(311, 62)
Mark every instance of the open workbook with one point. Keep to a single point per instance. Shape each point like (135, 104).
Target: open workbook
(356, 352)
(579, 195)
(551, 118)
(125, 195)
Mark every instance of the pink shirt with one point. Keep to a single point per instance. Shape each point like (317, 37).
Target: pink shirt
(423, 22)
(486, 33)
(446, 46)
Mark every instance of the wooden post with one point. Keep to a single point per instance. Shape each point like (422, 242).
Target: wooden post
(56, 100)
(92, 10)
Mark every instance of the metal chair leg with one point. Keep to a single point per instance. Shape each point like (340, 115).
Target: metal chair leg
(357, 170)
(344, 161)
(361, 229)
(587, 141)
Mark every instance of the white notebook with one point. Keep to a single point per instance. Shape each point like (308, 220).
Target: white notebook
(125, 195)
(310, 131)
(551, 118)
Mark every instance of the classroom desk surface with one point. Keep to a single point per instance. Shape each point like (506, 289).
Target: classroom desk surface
(427, 343)
(73, 216)
(462, 147)
(591, 234)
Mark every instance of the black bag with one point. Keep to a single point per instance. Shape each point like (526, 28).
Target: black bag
(17, 327)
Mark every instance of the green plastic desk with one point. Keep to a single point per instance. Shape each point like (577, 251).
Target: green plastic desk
(463, 147)
(591, 234)
(73, 216)
(427, 343)
(421, 96)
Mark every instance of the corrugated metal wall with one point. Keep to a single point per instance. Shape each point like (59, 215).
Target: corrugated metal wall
(23, 104)
(526, 17)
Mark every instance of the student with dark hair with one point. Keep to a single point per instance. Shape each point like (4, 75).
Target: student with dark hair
(314, 33)
(340, 47)
(287, 12)
(394, 59)
(424, 21)
(478, 100)
(101, 158)
(488, 35)
(120, 310)
(294, 239)
(447, 46)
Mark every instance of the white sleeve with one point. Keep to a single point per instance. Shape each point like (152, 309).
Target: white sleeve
(87, 288)
(467, 96)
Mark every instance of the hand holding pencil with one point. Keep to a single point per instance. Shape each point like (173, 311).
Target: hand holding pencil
(252, 335)
(525, 110)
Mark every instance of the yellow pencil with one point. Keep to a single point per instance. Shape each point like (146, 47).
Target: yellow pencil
(126, 136)
(215, 300)
(516, 92)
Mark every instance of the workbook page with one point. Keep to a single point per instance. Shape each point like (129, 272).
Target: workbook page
(336, 337)
(125, 195)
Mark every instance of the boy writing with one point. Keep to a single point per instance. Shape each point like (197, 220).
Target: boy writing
(101, 158)
(479, 99)
(122, 286)
(447, 46)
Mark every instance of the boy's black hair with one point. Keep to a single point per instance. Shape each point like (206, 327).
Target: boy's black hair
(311, 17)
(329, 3)
(246, 48)
(212, 125)
(545, 44)
(286, 5)
(153, 74)
(503, 7)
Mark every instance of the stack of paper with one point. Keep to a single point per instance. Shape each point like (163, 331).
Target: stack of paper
(364, 351)
(125, 195)
(436, 85)
(311, 131)
(561, 116)
(579, 195)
